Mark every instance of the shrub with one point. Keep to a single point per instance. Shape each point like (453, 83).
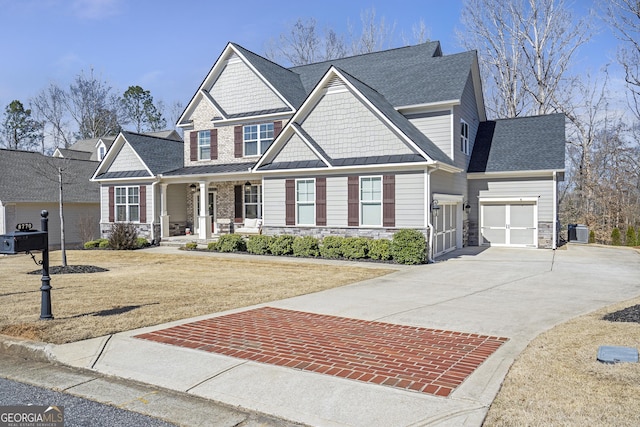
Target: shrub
(124, 236)
(355, 247)
(409, 247)
(231, 243)
(380, 249)
(282, 245)
(103, 243)
(191, 246)
(259, 244)
(212, 246)
(91, 244)
(616, 238)
(306, 246)
(141, 242)
(638, 237)
(592, 236)
(631, 236)
(331, 247)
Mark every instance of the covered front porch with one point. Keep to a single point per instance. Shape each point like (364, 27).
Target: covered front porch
(203, 207)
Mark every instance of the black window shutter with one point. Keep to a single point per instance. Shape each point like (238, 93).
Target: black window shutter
(237, 191)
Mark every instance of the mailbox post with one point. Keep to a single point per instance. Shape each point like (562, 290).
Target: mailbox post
(27, 240)
(45, 304)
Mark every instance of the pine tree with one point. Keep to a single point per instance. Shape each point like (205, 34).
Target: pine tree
(19, 130)
(631, 236)
(616, 238)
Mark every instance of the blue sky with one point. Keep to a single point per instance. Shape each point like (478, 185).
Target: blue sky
(167, 47)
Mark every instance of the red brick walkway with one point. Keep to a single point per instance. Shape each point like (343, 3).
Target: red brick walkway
(425, 360)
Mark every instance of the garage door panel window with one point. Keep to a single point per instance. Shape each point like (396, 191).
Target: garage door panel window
(521, 216)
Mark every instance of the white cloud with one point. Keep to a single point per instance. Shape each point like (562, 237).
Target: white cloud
(96, 9)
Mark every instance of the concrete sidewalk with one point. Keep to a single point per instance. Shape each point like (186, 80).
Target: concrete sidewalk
(513, 293)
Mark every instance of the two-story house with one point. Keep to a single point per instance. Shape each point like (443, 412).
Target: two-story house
(364, 145)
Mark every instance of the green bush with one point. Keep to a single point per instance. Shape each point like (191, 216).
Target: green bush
(355, 247)
(616, 238)
(638, 237)
(191, 246)
(91, 244)
(282, 245)
(409, 247)
(380, 249)
(259, 244)
(103, 243)
(124, 236)
(141, 242)
(631, 236)
(212, 246)
(231, 243)
(306, 246)
(331, 247)
(592, 236)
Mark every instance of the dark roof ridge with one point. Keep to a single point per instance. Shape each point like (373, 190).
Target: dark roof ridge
(150, 136)
(368, 53)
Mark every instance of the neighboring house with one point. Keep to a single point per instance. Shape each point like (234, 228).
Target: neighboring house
(86, 149)
(29, 184)
(359, 146)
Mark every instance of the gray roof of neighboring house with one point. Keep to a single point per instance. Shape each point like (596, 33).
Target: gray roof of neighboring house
(159, 154)
(520, 144)
(68, 153)
(167, 134)
(211, 169)
(33, 177)
(89, 146)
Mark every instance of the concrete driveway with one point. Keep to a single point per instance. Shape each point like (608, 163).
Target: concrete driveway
(512, 293)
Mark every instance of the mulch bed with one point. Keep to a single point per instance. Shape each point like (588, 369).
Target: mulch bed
(71, 269)
(629, 314)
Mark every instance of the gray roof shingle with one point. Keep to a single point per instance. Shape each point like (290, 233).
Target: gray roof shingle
(520, 144)
(159, 154)
(33, 177)
(211, 169)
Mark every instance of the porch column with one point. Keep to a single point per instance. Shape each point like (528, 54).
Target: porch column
(164, 217)
(204, 221)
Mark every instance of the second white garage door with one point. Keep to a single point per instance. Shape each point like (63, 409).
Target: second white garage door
(509, 224)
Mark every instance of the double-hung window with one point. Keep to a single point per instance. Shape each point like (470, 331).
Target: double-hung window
(127, 203)
(257, 138)
(306, 202)
(371, 200)
(252, 201)
(204, 145)
(464, 137)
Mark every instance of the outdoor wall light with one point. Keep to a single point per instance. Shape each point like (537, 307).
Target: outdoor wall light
(193, 188)
(435, 207)
(247, 186)
(467, 207)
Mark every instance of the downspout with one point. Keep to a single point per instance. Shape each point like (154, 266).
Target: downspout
(153, 209)
(427, 213)
(554, 241)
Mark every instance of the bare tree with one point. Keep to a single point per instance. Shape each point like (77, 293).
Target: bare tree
(624, 18)
(374, 35)
(93, 107)
(526, 48)
(49, 103)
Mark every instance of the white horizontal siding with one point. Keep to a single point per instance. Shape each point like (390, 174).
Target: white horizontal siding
(437, 127)
(410, 195)
(177, 202)
(337, 202)
(448, 183)
(274, 209)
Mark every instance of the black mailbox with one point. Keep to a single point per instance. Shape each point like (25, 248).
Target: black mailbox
(23, 241)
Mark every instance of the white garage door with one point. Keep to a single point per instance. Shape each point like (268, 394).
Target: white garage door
(445, 229)
(509, 224)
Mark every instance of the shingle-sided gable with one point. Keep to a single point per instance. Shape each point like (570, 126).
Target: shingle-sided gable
(239, 90)
(159, 154)
(520, 144)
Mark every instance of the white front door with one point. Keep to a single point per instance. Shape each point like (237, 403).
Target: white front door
(508, 224)
(211, 198)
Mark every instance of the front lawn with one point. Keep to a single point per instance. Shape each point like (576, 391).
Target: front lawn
(143, 288)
